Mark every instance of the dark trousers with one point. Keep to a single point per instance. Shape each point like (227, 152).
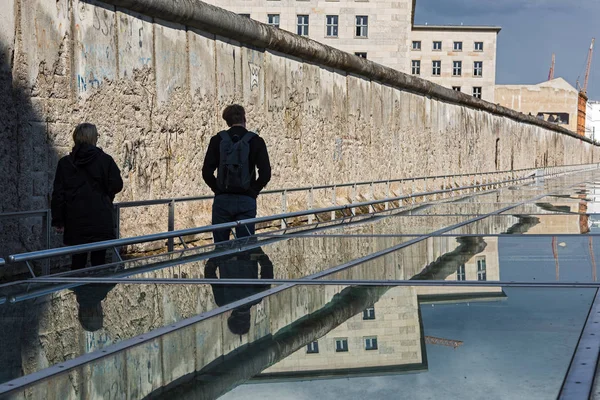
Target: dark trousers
(230, 208)
(78, 261)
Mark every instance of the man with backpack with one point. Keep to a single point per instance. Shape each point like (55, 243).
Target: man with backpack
(236, 154)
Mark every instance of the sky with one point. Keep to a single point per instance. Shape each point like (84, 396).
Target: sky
(531, 31)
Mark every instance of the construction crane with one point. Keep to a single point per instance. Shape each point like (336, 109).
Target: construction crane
(589, 65)
(443, 342)
(551, 73)
(582, 105)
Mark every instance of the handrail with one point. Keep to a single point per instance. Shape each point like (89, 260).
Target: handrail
(141, 203)
(63, 251)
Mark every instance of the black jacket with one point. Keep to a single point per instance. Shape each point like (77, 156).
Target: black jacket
(259, 158)
(85, 186)
(244, 265)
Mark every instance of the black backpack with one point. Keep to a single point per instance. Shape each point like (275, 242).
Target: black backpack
(234, 175)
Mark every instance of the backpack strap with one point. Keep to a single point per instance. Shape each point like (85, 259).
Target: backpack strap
(225, 136)
(248, 137)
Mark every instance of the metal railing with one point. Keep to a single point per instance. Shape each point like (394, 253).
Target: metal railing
(344, 209)
(485, 179)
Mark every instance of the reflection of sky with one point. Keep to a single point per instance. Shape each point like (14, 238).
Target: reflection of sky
(517, 348)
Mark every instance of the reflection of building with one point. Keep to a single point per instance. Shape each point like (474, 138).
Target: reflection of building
(574, 223)
(554, 101)
(462, 58)
(388, 337)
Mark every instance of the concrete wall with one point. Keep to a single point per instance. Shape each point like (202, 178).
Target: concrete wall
(468, 56)
(156, 88)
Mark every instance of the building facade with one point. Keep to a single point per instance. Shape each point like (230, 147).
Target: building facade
(377, 29)
(593, 120)
(553, 101)
(383, 31)
(462, 58)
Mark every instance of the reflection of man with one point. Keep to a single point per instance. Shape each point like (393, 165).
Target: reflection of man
(244, 265)
(89, 298)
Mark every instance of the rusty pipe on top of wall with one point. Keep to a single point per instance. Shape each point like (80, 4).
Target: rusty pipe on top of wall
(215, 20)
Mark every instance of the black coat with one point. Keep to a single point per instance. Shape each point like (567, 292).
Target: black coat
(85, 186)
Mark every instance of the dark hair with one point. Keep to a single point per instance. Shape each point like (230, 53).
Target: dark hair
(234, 114)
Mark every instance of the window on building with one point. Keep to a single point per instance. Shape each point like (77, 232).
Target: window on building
(436, 68)
(371, 343)
(363, 55)
(481, 267)
(416, 67)
(341, 345)
(416, 45)
(273, 19)
(457, 46)
(460, 271)
(362, 26)
(478, 68)
(244, 15)
(303, 25)
(332, 25)
(457, 68)
(437, 45)
(369, 313)
(456, 88)
(312, 348)
(478, 46)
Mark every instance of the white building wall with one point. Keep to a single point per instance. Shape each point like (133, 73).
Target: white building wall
(447, 55)
(593, 120)
(389, 24)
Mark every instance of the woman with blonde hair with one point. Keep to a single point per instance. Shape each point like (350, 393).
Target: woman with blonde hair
(85, 186)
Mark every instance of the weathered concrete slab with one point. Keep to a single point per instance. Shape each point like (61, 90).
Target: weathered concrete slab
(171, 60)
(95, 45)
(229, 71)
(136, 42)
(144, 369)
(202, 64)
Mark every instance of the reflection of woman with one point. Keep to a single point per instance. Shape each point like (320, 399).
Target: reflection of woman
(85, 186)
(243, 265)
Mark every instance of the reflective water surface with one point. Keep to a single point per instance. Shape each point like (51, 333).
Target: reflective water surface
(162, 332)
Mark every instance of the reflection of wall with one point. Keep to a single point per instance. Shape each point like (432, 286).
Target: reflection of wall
(396, 327)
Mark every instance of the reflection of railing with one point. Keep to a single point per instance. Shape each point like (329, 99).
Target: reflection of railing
(349, 209)
(482, 180)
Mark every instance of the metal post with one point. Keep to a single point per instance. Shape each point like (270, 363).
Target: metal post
(117, 229)
(46, 225)
(283, 207)
(171, 225)
(387, 195)
(372, 197)
(412, 192)
(333, 201)
(311, 200)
